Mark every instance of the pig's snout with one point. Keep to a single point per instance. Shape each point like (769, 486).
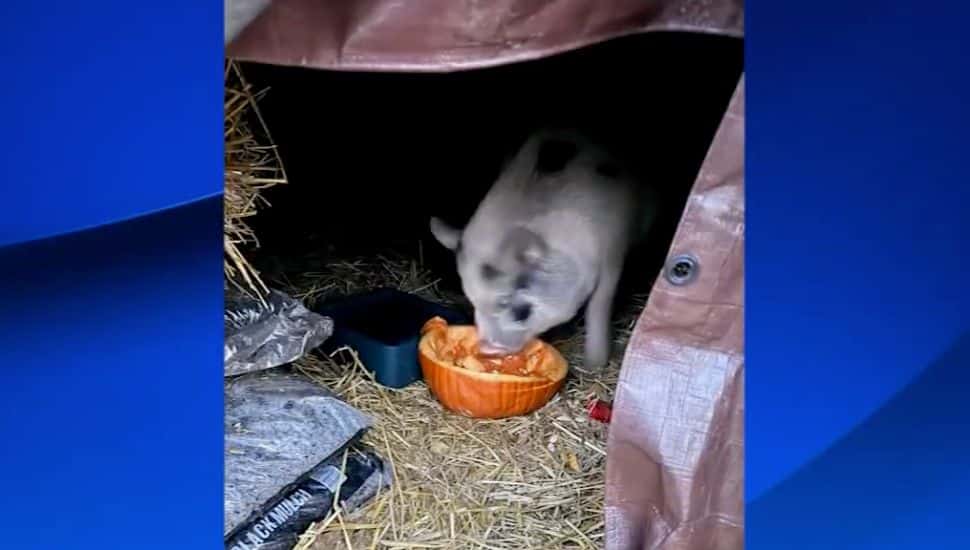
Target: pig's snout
(502, 343)
(490, 348)
(492, 340)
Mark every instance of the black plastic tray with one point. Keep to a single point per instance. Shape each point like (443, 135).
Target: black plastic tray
(383, 326)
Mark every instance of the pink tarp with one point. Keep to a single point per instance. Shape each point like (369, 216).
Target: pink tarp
(445, 35)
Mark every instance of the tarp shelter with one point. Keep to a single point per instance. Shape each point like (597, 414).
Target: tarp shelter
(675, 454)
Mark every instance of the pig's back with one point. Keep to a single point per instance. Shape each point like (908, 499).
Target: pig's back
(590, 205)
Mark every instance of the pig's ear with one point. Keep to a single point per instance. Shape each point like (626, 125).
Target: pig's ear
(446, 234)
(554, 278)
(529, 249)
(548, 273)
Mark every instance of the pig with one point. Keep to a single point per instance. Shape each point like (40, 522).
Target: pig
(550, 236)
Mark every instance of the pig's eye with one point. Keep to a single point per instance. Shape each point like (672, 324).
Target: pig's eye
(521, 313)
(489, 272)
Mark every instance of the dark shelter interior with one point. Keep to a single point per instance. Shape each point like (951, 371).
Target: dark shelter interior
(371, 156)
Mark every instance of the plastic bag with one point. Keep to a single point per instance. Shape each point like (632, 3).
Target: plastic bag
(279, 524)
(260, 337)
(278, 426)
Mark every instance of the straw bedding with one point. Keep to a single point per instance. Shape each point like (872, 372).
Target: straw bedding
(527, 482)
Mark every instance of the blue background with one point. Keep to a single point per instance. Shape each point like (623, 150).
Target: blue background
(858, 313)
(858, 337)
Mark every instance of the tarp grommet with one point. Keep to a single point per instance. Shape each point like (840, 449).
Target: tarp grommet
(681, 269)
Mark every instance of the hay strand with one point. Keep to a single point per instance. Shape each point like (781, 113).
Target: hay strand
(252, 164)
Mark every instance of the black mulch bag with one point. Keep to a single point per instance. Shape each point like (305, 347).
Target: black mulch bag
(284, 434)
(278, 426)
(279, 523)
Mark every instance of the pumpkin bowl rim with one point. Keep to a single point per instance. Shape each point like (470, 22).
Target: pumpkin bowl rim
(561, 370)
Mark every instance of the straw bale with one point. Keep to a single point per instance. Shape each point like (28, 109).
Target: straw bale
(252, 164)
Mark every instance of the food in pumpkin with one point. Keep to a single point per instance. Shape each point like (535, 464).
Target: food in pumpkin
(480, 386)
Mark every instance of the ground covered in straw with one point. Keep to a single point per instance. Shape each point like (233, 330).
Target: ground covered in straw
(528, 482)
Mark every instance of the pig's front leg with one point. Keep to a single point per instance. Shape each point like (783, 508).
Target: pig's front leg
(599, 310)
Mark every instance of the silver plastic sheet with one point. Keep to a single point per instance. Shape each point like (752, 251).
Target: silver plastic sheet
(262, 336)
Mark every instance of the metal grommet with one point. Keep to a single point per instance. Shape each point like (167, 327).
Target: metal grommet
(681, 269)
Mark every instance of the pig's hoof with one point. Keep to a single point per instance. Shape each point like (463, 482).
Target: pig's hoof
(595, 362)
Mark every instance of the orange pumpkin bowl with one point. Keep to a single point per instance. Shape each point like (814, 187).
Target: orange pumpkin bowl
(483, 394)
